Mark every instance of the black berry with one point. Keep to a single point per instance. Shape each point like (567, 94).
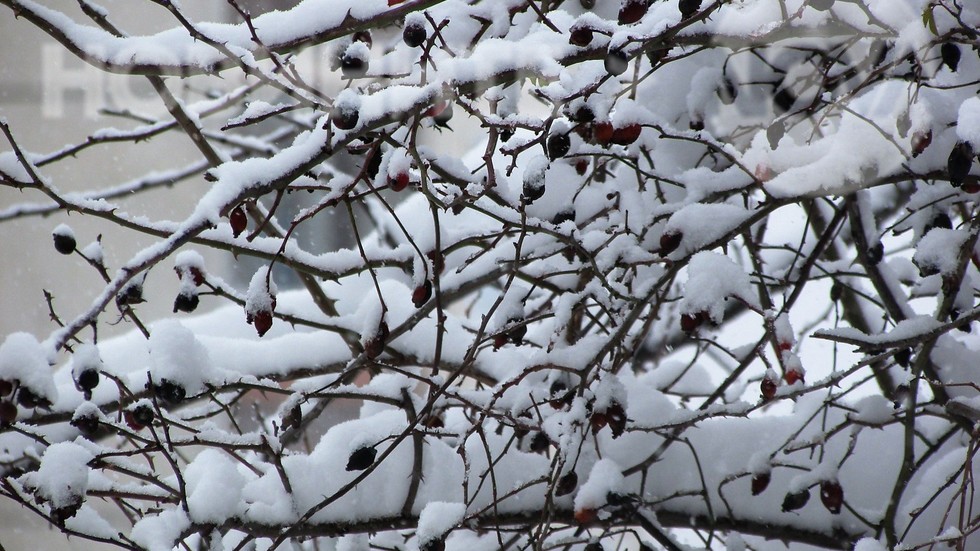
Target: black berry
(361, 458)
(414, 34)
(186, 302)
(795, 501)
(616, 62)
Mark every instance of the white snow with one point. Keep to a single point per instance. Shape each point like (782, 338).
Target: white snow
(702, 224)
(968, 122)
(261, 293)
(62, 479)
(179, 357)
(605, 477)
(939, 250)
(437, 519)
(214, 487)
(713, 279)
(23, 359)
(159, 532)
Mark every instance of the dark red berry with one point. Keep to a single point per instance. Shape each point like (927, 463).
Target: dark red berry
(950, 53)
(586, 515)
(8, 413)
(603, 132)
(795, 501)
(422, 294)
(669, 242)
(760, 482)
(361, 458)
(581, 166)
(792, 376)
(832, 496)
(238, 220)
(558, 145)
(768, 387)
(959, 163)
(344, 118)
(920, 141)
(688, 7)
(6, 387)
(599, 420)
(691, 322)
(627, 134)
(580, 36)
(566, 484)
(414, 34)
(376, 345)
(142, 415)
(499, 340)
(517, 332)
(399, 182)
(28, 399)
(632, 11)
(262, 320)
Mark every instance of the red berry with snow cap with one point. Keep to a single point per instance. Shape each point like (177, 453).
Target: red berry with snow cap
(792, 376)
(398, 182)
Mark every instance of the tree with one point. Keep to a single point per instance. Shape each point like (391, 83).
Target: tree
(607, 325)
